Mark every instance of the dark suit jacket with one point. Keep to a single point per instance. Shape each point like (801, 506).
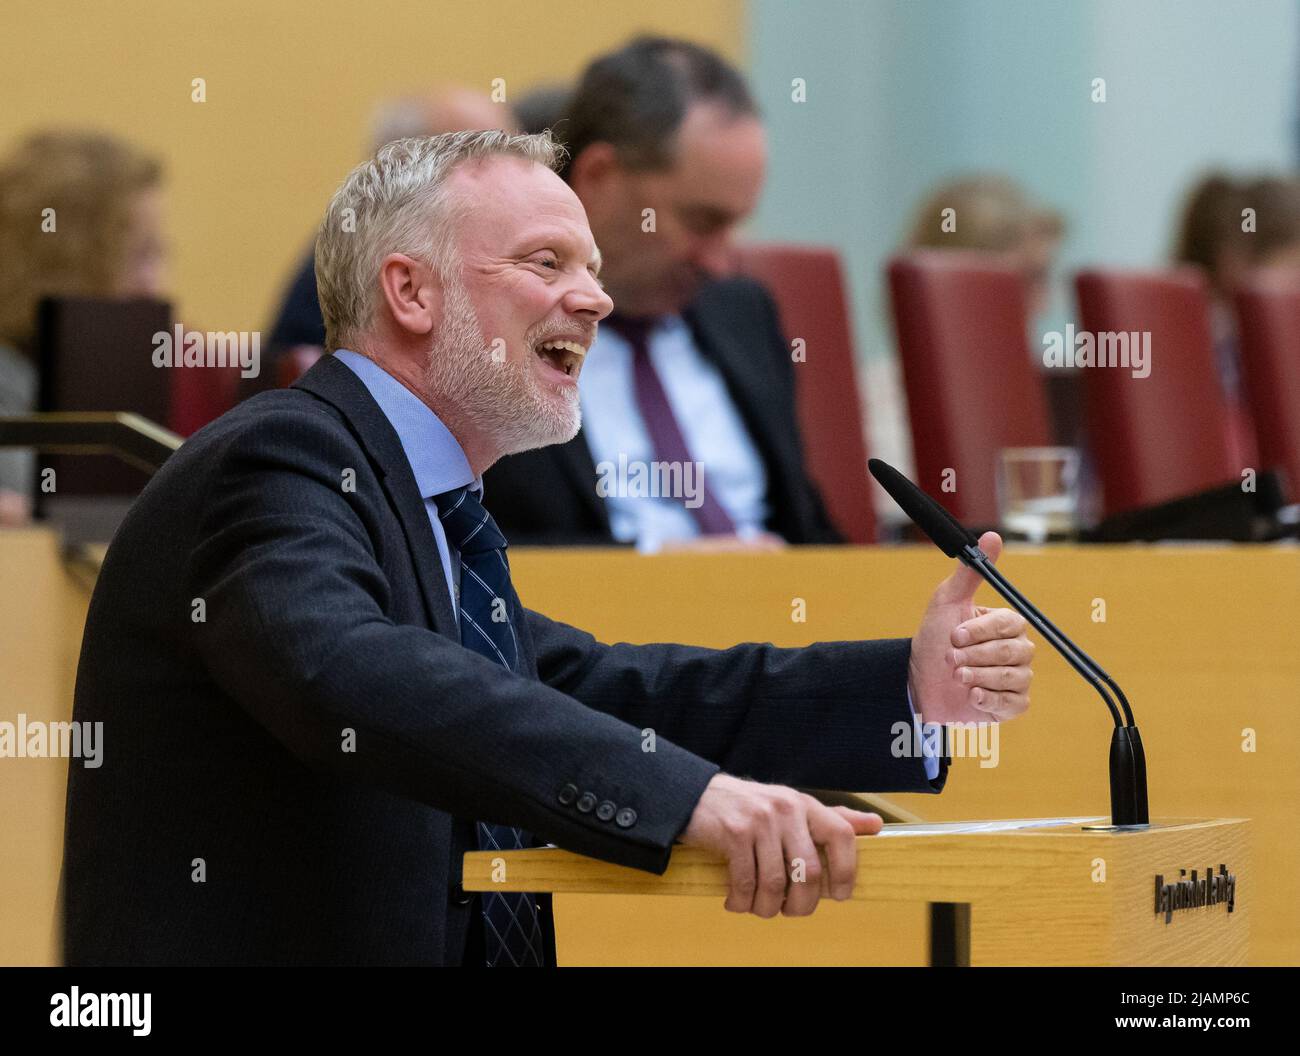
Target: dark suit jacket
(290, 718)
(548, 496)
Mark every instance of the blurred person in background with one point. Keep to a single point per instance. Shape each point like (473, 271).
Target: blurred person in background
(541, 109)
(991, 214)
(1219, 237)
(299, 329)
(667, 154)
(81, 214)
(1210, 238)
(994, 215)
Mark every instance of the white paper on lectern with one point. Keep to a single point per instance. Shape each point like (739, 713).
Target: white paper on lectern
(947, 828)
(950, 827)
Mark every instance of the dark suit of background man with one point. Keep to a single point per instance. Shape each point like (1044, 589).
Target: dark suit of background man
(669, 126)
(319, 689)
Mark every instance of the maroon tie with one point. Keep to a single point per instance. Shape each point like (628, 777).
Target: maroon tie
(665, 434)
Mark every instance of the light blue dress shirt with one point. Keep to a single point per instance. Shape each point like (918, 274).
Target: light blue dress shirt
(712, 427)
(439, 464)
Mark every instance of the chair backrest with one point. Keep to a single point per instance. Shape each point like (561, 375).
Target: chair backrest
(1268, 326)
(807, 283)
(294, 362)
(972, 389)
(202, 396)
(1164, 436)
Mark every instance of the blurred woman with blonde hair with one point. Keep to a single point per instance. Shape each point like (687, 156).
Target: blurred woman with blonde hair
(80, 215)
(992, 214)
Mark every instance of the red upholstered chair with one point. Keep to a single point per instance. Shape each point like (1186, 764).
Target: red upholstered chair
(972, 389)
(295, 362)
(200, 395)
(1165, 436)
(808, 285)
(1268, 314)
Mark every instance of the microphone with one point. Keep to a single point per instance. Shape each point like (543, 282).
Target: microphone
(1128, 765)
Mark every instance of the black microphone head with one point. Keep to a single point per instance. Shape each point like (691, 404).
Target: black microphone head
(943, 529)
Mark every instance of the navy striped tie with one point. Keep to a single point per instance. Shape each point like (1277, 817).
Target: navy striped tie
(512, 925)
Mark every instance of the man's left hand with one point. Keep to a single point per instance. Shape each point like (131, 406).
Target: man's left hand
(969, 663)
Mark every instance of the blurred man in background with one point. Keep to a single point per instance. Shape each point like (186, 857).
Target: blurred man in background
(668, 155)
(541, 109)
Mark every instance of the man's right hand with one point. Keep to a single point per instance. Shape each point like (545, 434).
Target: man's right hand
(764, 831)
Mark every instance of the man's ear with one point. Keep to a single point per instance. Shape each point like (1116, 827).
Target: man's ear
(592, 171)
(412, 292)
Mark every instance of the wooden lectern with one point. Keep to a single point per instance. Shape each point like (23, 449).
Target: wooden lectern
(1055, 895)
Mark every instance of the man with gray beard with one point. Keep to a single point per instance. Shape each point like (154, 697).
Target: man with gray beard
(322, 689)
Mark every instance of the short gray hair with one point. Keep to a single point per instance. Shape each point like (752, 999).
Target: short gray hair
(397, 203)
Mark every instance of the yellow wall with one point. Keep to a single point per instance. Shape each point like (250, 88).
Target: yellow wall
(290, 89)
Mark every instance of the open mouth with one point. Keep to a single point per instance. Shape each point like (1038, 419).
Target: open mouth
(562, 354)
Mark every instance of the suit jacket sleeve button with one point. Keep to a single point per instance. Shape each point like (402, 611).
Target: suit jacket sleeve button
(606, 810)
(626, 818)
(587, 803)
(568, 794)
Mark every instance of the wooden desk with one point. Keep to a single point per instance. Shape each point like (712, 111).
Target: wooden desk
(1203, 640)
(1038, 896)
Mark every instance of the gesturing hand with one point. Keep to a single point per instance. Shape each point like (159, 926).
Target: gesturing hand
(969, 663)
